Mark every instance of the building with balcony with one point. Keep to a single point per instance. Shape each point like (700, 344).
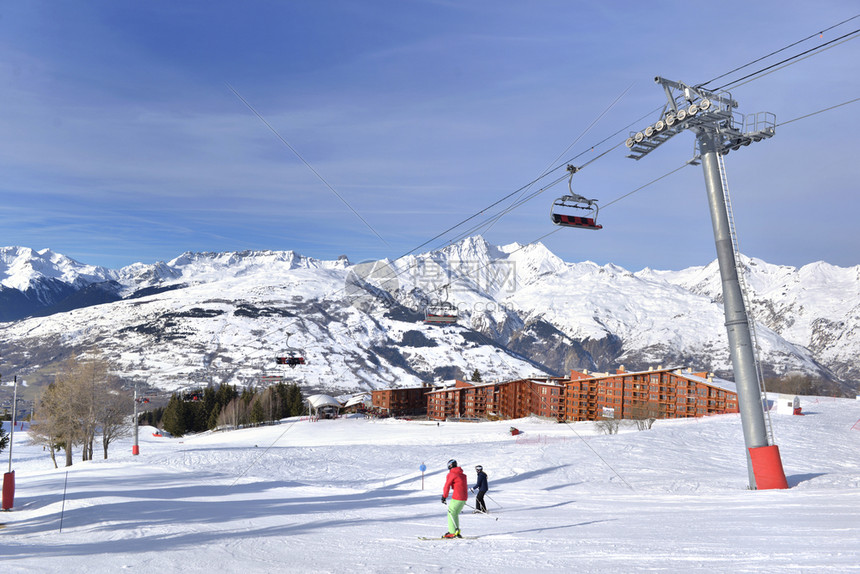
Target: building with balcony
(500, 400)
(656, 393)
(653, 394)
(398, 402)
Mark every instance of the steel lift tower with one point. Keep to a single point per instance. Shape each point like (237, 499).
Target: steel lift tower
(719, 129)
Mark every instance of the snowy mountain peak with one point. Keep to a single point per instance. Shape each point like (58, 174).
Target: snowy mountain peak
(21, 268)
(470, 249)
(236, 263)
(212, 309)
(533, 262)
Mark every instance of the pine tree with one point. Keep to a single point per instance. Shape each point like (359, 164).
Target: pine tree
(258, 414)
(198, 417)
(151, 418)
(174, 418)
(213, 418)
(476, 377)
(295, 403)
(4, 439)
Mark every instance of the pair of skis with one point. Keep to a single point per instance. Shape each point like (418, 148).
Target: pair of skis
(461, 537)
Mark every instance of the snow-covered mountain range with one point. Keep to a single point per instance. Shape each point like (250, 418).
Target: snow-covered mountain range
(224, 317)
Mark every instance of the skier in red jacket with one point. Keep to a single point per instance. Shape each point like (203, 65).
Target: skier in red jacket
(455, 480)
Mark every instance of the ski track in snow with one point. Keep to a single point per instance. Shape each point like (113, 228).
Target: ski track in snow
(345, 495)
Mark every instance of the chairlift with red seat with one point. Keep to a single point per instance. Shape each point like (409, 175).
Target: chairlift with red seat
(441, 312)
(292, 357)
(584, 218)
(290, 361)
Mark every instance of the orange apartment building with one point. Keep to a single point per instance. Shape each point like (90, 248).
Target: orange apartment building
(401, 401)
(508, 400)
(655, 393)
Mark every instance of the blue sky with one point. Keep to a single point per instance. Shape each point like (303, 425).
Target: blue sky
(123, 141)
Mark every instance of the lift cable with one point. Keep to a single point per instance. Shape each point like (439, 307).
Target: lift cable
(798, 57)
(641, 187)
(493, 218)
(532, 242)
(544, 236)
(531, 183)
(818, 112)
(819, 34)
(534, 194)
(582, 135)
(735, 83)
(520, 190)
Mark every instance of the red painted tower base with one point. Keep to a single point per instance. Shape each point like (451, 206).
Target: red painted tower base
(8, 490)
(135, 449)
(767, 468)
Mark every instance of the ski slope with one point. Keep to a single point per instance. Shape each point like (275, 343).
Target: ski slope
(346, 495)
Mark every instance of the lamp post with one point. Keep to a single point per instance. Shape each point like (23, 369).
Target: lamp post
(9, 477)
(135, 449)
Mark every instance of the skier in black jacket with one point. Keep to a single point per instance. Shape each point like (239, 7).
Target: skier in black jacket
(481, 487)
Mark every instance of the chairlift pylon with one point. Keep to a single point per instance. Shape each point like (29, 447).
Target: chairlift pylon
(588, 209)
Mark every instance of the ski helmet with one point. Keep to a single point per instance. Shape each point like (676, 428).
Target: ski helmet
(451, 464)
(479, 468)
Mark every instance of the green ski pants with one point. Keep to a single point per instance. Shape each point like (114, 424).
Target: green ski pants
(454, 508)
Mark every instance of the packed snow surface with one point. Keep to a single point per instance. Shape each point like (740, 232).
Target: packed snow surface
(348, 495)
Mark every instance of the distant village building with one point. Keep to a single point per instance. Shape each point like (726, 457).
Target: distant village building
(358, 403)
(656, 393)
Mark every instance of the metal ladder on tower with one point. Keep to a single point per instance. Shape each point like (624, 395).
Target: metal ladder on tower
(745, 292)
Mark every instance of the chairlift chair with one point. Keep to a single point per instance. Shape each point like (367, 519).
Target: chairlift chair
(585, 218)
(440, 313)
(290, 360)
(293, 357)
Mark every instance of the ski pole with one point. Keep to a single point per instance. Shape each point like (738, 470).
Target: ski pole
(63, 508)
(494, 501)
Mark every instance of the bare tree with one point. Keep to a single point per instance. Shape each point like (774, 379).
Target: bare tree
(235, 413)
(83, 399)
(608, 426)
(54, 422)
(43, 429)
(644, 413)
(113, 415)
